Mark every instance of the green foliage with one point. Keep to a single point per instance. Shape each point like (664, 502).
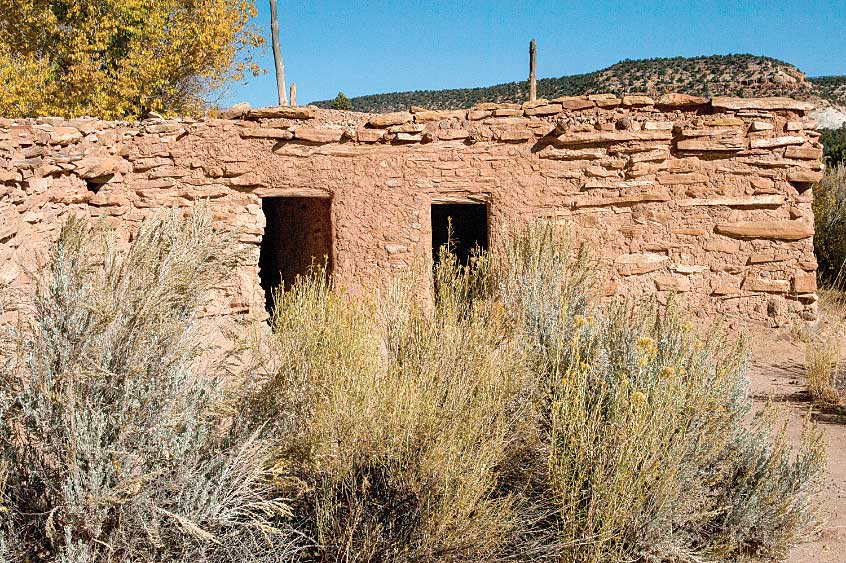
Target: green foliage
(834, 146)
(341, 101)
(829, 207)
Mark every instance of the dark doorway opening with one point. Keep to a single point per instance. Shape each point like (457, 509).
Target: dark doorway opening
(469, 223)
(298, 235)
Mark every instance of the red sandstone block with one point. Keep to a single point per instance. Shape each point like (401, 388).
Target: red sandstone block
(804, 282)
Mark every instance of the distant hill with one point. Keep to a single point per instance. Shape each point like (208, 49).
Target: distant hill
(716, 75)
(832, 88)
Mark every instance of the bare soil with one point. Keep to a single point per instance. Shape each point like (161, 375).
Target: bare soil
(777, 373)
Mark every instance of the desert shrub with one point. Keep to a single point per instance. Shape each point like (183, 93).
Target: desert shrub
(649, 458)
(519, 419)
(398, 423)
(822, 366)
(646, 453)
(829, 208)
(112, 446)
(511, 417)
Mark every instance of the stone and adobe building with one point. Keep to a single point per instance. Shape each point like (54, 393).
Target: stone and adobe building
(710, 198)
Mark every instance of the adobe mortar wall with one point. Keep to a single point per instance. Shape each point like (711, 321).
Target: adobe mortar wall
(706, 197)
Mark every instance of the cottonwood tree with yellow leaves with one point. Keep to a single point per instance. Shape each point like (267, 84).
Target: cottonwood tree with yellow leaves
(121, 58)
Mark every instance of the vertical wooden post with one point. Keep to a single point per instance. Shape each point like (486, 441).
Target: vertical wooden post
(533, 85)
(293, 93)
(277, 55)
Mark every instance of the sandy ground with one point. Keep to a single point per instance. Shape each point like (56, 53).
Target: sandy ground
(777, 373)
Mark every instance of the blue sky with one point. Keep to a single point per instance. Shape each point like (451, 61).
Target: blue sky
(386, 46)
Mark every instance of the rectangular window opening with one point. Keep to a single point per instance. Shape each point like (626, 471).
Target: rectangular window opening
(469, 223)
(298, 235)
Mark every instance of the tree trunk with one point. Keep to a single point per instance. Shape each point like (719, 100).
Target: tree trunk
(533, 85)
(277, 55)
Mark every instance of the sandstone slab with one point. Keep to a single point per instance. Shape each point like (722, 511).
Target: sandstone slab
(803, 153)
(236, 111)
(639, 263)
(438, 115)
(512, 135)
(682, 179)
(546, 109)
(637, 100)
(266, 133)
(453, 134)
(777, 142)
(369, 135)
(775, 230)
(574, 103)
(672, 283)
(64, 136)
(93, 167)
(726, 246)
(478, 114)
(748, 201)
(804, 282)
(281, 112)
(766, 104)
(598, 137)
(712, 145)
(676, 100)
(804, 176)
(319, 136)
(765, 285)
(387, 119)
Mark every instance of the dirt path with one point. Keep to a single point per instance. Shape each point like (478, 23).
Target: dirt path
(777, 371)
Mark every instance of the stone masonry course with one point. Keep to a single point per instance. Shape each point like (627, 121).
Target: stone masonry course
(706, 197)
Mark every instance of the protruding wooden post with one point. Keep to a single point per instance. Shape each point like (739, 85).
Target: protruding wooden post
(533, 84)
(293, 93)
(277, 55)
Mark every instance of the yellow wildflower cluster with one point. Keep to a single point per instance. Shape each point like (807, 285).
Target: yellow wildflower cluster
(584, 320)
(647, 349)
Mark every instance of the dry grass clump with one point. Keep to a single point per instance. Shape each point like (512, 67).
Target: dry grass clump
(112, 448)
(397, 423)
(822, 366)
(823, 348)
(511, 419)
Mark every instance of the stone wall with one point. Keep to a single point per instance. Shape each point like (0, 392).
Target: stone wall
(705, 197)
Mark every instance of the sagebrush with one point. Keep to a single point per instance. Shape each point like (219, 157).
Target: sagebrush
(113, 448)
(506, 417)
